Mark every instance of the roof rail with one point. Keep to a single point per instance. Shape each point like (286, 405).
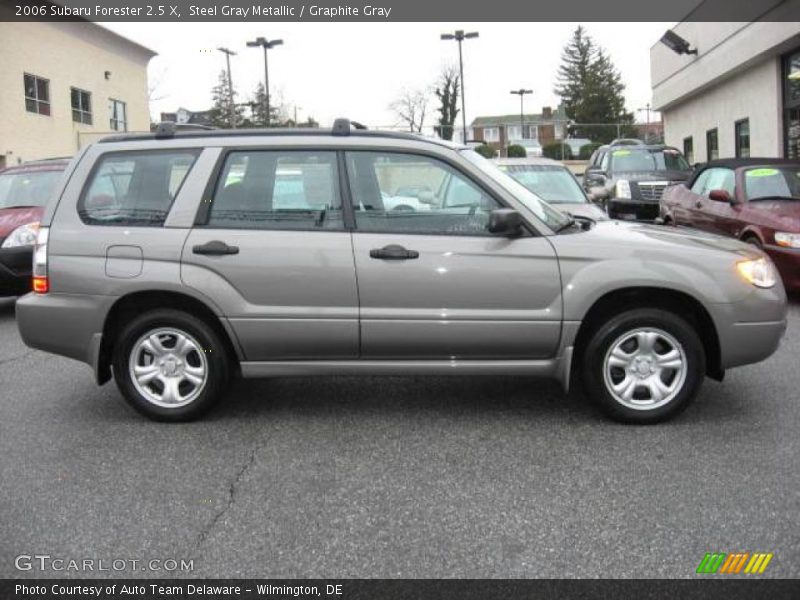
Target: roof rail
(165, 129)
(342, 126)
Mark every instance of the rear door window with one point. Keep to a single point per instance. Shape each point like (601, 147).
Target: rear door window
(134, 188)
(264, 189)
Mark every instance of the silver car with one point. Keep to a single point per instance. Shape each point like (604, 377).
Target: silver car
(177, 260)
(554, 183)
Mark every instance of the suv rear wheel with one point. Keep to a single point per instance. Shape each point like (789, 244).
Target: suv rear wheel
(643, 366)
(170, 365)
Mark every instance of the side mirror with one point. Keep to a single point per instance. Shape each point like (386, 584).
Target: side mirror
(720, 196)
(505, 221)
(426, 197)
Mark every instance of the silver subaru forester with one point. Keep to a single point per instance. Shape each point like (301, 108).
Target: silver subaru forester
(176, 260)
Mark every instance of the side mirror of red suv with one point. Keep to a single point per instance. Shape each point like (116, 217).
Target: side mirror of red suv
(720, 196)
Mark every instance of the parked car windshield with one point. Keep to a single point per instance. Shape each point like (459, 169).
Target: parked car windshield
(647, 159)
(552, 217)
(762, 183)
(27, 188)
(550, 182)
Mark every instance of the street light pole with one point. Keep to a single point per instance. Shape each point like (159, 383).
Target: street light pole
(231, 107)
(521, 93)
(646, 110)
(460, 36)
(266, 45)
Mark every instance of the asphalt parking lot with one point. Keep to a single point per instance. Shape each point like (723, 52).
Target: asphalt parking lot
(397, 477)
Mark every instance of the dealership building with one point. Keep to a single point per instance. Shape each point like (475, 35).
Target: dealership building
(63, 85)
(738, 95)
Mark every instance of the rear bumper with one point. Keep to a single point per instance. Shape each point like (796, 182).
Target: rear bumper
(65, 324)
(632, 209)
(787, 261)
(15, 270)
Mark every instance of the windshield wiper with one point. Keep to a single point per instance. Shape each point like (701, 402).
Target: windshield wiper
(773, 198)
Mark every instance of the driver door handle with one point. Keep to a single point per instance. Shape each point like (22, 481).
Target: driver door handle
(393, 252)
(215, 248)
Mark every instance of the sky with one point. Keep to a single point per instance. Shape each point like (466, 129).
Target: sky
(355, 70)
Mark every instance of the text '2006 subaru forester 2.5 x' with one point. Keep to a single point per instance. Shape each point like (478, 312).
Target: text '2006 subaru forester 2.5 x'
(177, 260)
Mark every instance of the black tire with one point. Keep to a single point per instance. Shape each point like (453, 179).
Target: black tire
(616, 328)
(217, 363)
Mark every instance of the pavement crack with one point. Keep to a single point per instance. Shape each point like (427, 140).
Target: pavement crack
(233, 488)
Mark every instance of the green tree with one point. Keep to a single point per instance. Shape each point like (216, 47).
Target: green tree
(258, 106)
(516, 151)
(222, 113)
(447, 92)
(592, 90)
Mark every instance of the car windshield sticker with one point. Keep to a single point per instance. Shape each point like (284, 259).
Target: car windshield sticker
(762, 172)
(621, 152)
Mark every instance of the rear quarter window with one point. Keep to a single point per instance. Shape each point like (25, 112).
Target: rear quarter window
(134, 188)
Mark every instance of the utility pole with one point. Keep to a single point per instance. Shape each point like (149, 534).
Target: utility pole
(460, 36)
(231, 108)
(266, 45)
(646, 110)
(521, 93)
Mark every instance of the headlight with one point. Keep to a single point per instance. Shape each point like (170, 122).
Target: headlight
(759, 272)
(25, 235)
(787, 240)
(623, 189)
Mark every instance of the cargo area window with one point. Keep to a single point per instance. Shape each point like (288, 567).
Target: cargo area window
(134, 188)
(265, 189)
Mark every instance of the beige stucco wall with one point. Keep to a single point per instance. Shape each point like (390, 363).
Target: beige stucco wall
(754, 94)
(69, 55)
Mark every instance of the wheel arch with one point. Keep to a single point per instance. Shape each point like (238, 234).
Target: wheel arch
(680, 303)
(136, 303)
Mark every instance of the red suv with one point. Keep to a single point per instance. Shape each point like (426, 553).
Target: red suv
(24, 192)
(754, 199)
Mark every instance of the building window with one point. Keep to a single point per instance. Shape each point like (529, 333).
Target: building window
(514, 132)
(37, 94)
(743, 138)
(491, 134)
(712, 144)
(81, 106)
(791, 104)
(688, 149)
(118, 115)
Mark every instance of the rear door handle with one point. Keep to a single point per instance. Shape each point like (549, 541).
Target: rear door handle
(393, 252)
(215, 248)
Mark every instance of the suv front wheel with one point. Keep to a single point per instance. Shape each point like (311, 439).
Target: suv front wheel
(170, 365)
(643, 366)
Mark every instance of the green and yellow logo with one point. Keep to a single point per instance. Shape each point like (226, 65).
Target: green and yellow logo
(735, 563)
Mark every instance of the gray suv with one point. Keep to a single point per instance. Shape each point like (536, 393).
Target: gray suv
(175, 261)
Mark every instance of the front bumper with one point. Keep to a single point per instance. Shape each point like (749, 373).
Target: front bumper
(787, 261)
(751, 330)
(632, 209)
(15, 270)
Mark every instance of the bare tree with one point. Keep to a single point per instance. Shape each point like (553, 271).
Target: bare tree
(447, 90)
(410, 108)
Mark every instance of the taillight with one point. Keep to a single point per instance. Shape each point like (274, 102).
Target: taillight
(41, 285)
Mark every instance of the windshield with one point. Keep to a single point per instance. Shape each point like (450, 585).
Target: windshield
(552, 183)
(772, 182)
(27, 188)
(552, 217)
(644, 159)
